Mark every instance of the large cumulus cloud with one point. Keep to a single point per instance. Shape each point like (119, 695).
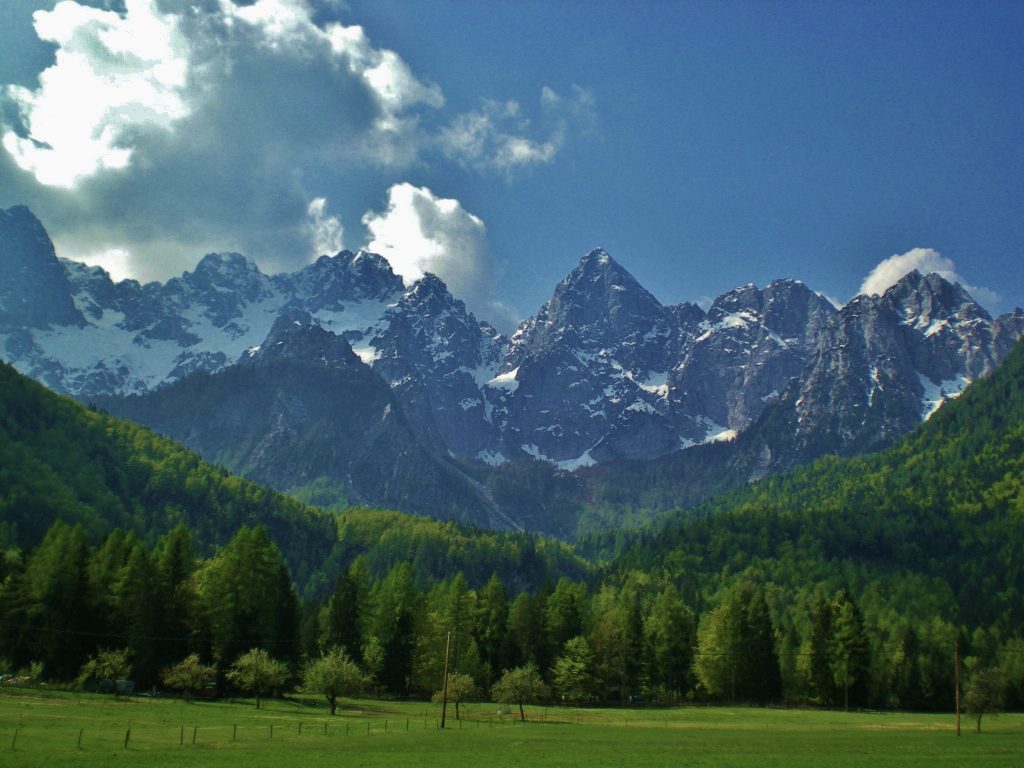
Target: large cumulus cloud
(420, 232)
(164, 128)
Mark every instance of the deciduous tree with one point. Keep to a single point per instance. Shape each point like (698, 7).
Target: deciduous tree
(984, 693)
(461, 688)
(522, 685)
(334, 674)
(258, 673)
(189, 676)
(573, 673)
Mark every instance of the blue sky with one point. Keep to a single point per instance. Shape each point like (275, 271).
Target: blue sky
(704, 145)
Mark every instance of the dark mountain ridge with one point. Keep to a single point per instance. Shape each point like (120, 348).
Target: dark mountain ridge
(602, 380)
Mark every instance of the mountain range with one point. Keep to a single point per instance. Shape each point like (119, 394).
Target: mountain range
(340, 376)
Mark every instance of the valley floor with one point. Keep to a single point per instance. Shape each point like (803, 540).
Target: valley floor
(53, 729)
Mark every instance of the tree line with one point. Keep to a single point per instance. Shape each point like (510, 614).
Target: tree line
(185, 622)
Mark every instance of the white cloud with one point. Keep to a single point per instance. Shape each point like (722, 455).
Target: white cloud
(113, 75)
(167, 128)
(117, 75)
(116, 261)
(384, 71)
(284, 22)
(326, 232)
(420, 232)
(925, 260)
(494, 137)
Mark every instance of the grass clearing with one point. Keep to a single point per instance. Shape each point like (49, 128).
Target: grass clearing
(44, 728)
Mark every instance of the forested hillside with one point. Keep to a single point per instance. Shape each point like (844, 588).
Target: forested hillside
(925, 540)
(946, 504)
(847, 583)
(62, 462)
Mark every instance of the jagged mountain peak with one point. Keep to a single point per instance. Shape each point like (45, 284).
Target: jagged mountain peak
(687, 314)
(599, 299)
(742, 298)
(598, 267)
(331, 281)
(929, 297)
(296, 335)
(362, 263)
(34, 288)
(784, 305)
(597, 258)
(602, 370)
(218, 267)
(428, 285)
(21, 215)
(429, 296)
(224, 273)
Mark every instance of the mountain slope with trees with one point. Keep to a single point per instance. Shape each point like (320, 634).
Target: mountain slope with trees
(60, 461)
(945, 503)
(848, 583)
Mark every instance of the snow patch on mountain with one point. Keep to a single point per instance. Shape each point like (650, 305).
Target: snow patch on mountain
(506, 381)
(935, 394)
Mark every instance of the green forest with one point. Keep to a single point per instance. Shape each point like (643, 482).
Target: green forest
(848, 583)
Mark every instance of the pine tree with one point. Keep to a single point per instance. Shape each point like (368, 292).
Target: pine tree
(669, 636)
(394, 624)
(61, 612)
(763, 680)
(346, 609)
(241, 592)
(140, 606)
(851, 661)
(491, 627)
(821, 651)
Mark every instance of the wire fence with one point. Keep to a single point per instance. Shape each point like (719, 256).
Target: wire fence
(100, 736)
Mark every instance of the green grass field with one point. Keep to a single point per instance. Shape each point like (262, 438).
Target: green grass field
(43, 728)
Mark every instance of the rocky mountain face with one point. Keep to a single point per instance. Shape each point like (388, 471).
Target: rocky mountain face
(437, 358)
(881, 366)
(34, 290)
(602, 372)
(302, 413)
(592, 360)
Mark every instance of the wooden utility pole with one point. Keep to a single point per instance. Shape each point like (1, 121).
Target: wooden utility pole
(956, 678)
(444, 689)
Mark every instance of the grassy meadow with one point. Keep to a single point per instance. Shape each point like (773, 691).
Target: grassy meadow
(40, 728)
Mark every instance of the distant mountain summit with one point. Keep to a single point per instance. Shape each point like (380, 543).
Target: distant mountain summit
(302, 413)
(880, 366)
(603, 371)
(34, 289)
